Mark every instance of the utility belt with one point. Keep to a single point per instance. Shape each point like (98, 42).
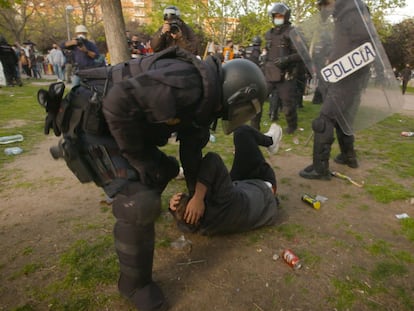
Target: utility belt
(95, 163)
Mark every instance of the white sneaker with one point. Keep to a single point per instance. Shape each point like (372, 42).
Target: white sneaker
(180, 175)
(275, 131)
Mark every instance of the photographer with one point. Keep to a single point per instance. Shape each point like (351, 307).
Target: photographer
(84, 51)
(173, 32)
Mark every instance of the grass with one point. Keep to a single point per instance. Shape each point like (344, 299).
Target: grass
(89, 265)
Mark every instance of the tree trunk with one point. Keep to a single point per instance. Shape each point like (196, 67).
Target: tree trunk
(115, 31)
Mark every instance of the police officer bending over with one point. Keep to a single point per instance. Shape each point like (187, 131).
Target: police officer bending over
(148, 99)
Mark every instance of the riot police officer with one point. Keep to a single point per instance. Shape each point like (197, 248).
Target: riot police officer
(343, 97)
(280, 65)
(253, 51)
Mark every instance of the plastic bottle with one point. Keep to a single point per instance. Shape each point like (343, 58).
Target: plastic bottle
(13, 150)
(11, 139)
(182, 244)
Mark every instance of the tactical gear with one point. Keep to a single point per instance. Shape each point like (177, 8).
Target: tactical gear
(323, 139)
(280, 8)
(244, 91)
(346, 145)
(257, 40)
(282, 62)
(350, 98)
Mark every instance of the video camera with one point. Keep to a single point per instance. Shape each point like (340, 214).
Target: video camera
(81, 41)
(174, 27)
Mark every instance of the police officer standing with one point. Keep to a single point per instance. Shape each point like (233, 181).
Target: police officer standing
(342, 98)
(253, 51)
(280, 65)
(174, 32)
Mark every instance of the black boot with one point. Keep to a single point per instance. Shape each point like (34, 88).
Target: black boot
(310, 172)
(323, 139)
(346, 145)
(348, 159)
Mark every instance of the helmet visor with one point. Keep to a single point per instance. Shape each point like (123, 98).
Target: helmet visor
(241, 108)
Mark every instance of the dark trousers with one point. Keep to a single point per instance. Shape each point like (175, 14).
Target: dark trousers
(248, 162)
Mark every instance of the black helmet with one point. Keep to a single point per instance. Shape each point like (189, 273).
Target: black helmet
(244, 91)
(257, 40)
(171, 12)
(280, 8)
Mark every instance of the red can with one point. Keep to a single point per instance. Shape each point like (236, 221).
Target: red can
(291, 259)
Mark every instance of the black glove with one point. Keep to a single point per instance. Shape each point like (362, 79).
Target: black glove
(282, 62)
(158, 174)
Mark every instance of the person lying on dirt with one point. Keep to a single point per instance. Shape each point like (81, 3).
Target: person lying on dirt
(236, 201)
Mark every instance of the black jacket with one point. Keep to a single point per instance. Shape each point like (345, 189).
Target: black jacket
(176, 93)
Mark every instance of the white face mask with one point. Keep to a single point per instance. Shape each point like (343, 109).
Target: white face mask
(278, 21)
(81, 37)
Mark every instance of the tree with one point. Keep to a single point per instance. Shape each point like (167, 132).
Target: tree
(115, 31)
(399, 45)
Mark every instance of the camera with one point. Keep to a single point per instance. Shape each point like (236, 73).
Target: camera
(80, 41)
(174, 28)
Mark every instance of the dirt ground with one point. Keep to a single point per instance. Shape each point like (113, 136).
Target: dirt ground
(45, 209)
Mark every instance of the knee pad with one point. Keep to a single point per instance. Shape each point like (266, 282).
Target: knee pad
(319, 125)
(140, 205)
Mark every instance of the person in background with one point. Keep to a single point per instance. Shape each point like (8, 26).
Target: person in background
(228, 51)
(174, 32)
(281, 63)
(406, 74)
(25, 62)
(85, 52)
(33, 63)
(137, 48)
(253, 51)
(57, 60)
(9, 60)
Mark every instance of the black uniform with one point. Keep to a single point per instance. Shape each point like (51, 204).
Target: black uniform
(253, 53)
(281, 76)
(148, 99)
(176, 95)
(9, 60)
(342, 98)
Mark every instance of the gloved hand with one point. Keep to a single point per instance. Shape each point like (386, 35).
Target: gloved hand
(282, 62)
(158, 174)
